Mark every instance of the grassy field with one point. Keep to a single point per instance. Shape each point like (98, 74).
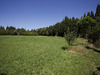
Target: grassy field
(41, 55)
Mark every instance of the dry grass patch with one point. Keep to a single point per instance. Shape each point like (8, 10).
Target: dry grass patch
(81, 39)
(74, 52)
(80, 49)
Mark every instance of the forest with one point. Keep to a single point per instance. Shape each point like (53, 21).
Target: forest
(88, 27)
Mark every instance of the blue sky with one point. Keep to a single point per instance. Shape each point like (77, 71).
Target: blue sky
(33, 14)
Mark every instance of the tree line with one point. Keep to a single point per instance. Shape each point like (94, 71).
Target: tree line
(80, 26)
(10, 30)
(88, 26)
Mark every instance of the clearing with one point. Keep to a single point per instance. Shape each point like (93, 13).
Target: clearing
(41, 55)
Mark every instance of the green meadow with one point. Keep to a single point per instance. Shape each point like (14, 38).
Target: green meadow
(42, 55)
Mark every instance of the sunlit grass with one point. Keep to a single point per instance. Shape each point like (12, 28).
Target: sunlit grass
(38, 55)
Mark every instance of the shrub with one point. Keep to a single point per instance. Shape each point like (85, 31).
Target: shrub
(70, 37)
(94, 38)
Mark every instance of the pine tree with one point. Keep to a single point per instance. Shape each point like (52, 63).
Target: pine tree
(84, 14)
(92, 15)
(88, 14)
(97, 14)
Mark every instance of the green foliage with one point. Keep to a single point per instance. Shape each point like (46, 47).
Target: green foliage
(85, 26)
(10, 30)
(13, 31)
(2, 30)
(84, 14)
(70, 37)
(20, 31)
(92, 15)
(88, 14)
(59, 28)
(94, 36)
(97, 20)
(97, 14)
(29, 33)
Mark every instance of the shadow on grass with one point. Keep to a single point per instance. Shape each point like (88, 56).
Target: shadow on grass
(3, 74)
(92, 49)
(64, 48)
(98, 68)
(94, 73)
(78, 44)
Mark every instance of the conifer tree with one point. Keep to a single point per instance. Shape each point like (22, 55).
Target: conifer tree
(84, 14)
(92, 15)
(97, 14)
(88, 14)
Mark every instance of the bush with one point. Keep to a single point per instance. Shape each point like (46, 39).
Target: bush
(29, 33)
(94, 38)
(70, 37)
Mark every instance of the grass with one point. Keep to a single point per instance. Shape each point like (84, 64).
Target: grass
(41, 55)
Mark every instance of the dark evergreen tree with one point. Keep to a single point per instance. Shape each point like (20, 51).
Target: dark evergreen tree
(94, 37)
(88, 14)
(97, 14)
(84, 14)
(92, 15)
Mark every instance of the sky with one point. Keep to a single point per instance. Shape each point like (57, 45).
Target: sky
(33, 14)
